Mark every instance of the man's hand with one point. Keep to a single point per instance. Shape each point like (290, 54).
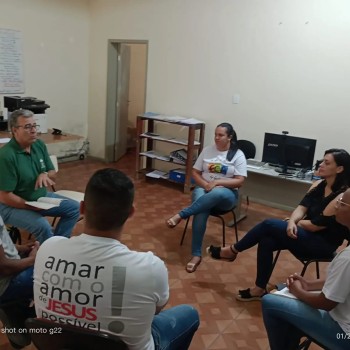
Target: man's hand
(34, 250)
(25, 249)
(296, 284)
(43, 180)
(303, 282)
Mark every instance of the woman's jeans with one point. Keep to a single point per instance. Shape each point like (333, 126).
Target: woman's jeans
(35, 222)
(271, 235)
(286, 320)
(173, 329)
(218, 199)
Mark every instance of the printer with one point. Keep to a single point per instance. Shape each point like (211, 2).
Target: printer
(33, 104)
(38, 107)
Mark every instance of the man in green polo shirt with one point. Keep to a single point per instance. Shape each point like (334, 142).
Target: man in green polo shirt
(25, 173)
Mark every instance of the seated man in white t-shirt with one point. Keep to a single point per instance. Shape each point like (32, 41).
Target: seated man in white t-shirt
(325, 315)
(94, 281)
(16, 285)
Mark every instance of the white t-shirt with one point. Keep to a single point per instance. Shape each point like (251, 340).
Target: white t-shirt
(214, 165)
(337, 288)
(10, 252)
(98, 283)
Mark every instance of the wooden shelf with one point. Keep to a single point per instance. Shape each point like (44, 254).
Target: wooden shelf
(147, 138)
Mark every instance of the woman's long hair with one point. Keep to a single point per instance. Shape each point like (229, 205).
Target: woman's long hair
(230, 131)
(342, 158)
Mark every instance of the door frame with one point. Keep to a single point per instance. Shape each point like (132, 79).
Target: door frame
(112, 82)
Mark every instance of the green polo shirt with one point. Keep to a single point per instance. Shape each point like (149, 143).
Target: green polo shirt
(19, 170)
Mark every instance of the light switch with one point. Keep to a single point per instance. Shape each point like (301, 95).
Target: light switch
(236, 98)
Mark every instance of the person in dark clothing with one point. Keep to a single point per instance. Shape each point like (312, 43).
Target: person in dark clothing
(308, 232)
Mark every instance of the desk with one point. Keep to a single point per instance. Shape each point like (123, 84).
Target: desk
(61, 145)
(267, 187)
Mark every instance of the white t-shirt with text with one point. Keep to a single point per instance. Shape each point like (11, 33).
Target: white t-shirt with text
(214, 165)
(98, 283)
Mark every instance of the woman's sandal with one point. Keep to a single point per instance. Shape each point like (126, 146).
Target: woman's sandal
(245, 295)
(214, 252)
(192, 267)
(171, 223)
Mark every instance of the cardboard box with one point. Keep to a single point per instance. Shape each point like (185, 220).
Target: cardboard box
(178, 175)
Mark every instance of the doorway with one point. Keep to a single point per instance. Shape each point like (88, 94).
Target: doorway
(126, 94)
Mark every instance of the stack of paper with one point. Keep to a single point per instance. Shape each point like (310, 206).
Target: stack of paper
(157, 174)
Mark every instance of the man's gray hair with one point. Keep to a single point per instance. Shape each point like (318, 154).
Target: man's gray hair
(25, 113)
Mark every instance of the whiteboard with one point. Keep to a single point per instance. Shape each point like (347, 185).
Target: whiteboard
(11, 62)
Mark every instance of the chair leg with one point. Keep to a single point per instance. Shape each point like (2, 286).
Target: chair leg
(185, 229)
(235, 224)
(305, 344)
(223, 230)
(307, 263)
(275, 261)
(317, 270)
(304, 269)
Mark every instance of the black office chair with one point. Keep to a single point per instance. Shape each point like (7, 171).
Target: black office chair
(249, 150)
(49, 335)
(306, 261)
(14, 234)
(247, 147)
(218, 214)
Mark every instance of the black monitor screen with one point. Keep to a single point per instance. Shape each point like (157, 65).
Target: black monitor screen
(294, 152)
(273, 149)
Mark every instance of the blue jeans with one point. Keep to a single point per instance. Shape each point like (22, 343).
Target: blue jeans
(219, 199)
(20, 287)
(271, 235)
(36, 223)
(173, 329)
(286, 320)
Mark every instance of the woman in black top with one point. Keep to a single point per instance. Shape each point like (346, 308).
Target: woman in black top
(308, 232)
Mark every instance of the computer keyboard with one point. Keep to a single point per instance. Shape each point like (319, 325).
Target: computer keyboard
(255, 164)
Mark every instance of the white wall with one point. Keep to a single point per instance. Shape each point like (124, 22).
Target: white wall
(55, 51)
(288, 59)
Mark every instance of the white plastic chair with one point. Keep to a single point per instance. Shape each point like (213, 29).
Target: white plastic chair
(74, 195)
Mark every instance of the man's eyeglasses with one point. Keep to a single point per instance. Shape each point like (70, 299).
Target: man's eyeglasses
(28, 127)
(340, 203)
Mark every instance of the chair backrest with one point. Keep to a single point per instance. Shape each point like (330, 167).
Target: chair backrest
(54, 162)
(247, 147)
(46, 334)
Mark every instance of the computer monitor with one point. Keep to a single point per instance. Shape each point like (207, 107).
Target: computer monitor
(289, 151)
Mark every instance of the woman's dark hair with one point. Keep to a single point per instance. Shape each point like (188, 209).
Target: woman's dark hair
(233, 143)
(342, 158)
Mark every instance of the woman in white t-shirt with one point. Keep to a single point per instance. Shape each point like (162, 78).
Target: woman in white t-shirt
(218, 172)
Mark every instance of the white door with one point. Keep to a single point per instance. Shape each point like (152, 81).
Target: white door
(122, 104)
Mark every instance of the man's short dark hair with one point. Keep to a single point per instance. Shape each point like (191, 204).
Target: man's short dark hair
(109, 197)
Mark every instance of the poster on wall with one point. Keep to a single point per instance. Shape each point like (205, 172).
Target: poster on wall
(11, 62)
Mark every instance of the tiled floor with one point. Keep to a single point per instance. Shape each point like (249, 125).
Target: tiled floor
(225, 322)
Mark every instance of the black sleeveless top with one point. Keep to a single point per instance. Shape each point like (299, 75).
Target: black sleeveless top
(315, 202)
